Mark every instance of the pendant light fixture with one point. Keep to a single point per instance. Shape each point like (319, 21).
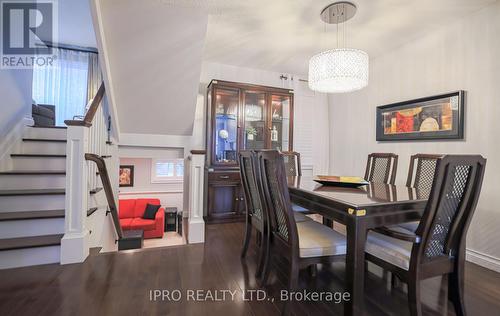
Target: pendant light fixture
(341, 69)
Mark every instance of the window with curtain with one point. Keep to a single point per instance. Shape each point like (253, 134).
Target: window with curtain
(68, 84)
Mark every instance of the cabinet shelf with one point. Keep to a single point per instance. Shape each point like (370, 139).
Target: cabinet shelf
(227, 116)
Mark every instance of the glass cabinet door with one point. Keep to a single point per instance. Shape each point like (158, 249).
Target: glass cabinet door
(279, 129)
(254, 121)
(226, 126)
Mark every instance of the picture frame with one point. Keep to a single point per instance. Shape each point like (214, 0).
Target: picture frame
(437, 117)
(126, 176)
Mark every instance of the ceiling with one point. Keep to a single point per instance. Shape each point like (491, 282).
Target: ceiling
(281, 35)
(75, 23)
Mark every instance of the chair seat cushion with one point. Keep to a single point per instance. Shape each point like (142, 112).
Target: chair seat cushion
(316, 240)
(300, 209)
(145, 224)
(392, 250)
(411, 226)
(300, 217)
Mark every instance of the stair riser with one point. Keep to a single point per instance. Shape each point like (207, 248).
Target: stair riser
(45, 133)
(31, 227)
(31, 202)
(14, 182)
(54, 148)
(37, 163)
(29, 257)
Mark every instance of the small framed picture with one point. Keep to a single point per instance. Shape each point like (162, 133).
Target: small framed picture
(126, 176)
(430, 118)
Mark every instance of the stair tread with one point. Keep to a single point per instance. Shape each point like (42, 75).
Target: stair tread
(33, 172)
(44, 140)
(39, 155)
(47, 126)
(30, 242)
(32, 192)
(92, 210)
(12, 216)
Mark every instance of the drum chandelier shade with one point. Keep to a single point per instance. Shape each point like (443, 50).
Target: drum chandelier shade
(339, 70)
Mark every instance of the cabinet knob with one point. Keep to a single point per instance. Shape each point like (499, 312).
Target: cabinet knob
(223, 177)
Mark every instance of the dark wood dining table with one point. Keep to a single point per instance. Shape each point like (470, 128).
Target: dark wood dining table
(360, 209)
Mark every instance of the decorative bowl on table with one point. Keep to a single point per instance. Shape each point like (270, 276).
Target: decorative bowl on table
(339, 181)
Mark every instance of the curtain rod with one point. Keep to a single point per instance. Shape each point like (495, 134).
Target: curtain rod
(75, 48)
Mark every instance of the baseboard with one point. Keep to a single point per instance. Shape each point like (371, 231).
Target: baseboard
(484, 260)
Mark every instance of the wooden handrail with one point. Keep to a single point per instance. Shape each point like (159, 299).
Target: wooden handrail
(198, 152)
(89, 116)
(108, 190)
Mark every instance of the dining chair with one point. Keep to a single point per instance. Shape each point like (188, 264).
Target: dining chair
(381, 168)
(256, 216)
(421, 177)
(437, 247)
(303, 244)
(293, 168)
(292, 163)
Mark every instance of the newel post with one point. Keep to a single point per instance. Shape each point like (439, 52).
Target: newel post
(75, 243)
(196, 224)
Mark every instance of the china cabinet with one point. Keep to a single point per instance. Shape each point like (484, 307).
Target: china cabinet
(241, 117)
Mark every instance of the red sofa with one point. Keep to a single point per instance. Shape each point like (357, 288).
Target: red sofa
(130, 214)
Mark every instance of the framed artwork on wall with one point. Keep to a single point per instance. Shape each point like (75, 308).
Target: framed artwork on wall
(126, 176)
(430, 118)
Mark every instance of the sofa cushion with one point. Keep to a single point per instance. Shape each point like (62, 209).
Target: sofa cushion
(145, 224)
(150, 212)
(140, 206)
(126, 208)
(125, 222)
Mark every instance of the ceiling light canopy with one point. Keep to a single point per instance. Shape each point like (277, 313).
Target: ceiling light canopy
(339, 70)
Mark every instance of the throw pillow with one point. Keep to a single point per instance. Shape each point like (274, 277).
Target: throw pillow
(150, 212)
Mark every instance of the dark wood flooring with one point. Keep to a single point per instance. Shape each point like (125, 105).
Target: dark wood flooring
(120, 284)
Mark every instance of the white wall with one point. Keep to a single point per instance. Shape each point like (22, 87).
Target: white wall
(170, 194)
(15, 103)
(151, 71)
(464, 55)
(311, 137)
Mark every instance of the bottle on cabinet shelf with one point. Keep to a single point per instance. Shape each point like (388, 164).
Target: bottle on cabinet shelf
(274, 134)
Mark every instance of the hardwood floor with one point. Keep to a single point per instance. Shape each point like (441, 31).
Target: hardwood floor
(120, 284)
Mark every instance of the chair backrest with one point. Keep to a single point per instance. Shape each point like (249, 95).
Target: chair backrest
(277, 199)
(451, 204)
(249, 179)
(292, 163)
(421, 173)
(381, 168)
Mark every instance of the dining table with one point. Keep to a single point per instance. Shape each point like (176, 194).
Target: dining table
(359, 209)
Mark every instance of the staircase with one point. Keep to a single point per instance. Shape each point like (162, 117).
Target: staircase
(32, 199)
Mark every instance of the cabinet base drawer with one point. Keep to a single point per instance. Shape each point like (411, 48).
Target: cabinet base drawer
(224, 177)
